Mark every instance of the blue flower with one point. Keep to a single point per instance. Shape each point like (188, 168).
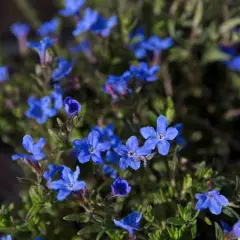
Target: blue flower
(63, 70)
(95, 23)
(40, 109)
(72, 7)
(236, 230)
(49, 28)
(230, 50)
(179, 139)
(82, 47)
(118, 85)
(137, 37)
(212, 200)
(91, 148)
(156, 44)
(159, 138)
(109, 171)
(67, 184)
(35, 149)
(20, 30)
(71, 106)
(234, 63)
(39, 238)
(42, 48)
(7, 237)
(52, 171)
(104, 26)
(89, 18)
(130, 223)
(4, 75)
(144, 72)
(226, 227)
(131, 154)
(57, 98)
(120, 188)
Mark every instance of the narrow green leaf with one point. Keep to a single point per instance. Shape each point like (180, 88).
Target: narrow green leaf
(77, 217)
(94, 228)
(218, 232)
(176, 221)
(100, 234)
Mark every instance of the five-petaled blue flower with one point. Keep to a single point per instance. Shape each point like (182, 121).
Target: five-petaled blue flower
(212, 200)
(49, 28)
(72, 107)
(4, 75)
(91, 148)
(52, 171)
(20, 30)
(63, 70)
(144, 72)
(131, 154)
(120, 188)
(35, 149)
(94, 22)
(42, 48)
(130, 223)
(117, 86)
(40, 109)
(156, 44)
(109, 171)
(67, 183)
(72, 7)
(7, 237)
(159, 138)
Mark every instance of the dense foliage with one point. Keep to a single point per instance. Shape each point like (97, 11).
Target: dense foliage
(124, 117)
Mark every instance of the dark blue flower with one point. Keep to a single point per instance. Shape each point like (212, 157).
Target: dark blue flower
(159, 138)
(35, 149)
(95, 23)
(131, 154)
(234, 63)
(52, 171)
(109, 171)
(91, 148)
(7, 237)
(72, 7)
(71, 106)
(144, 72)
(4, 75)
(20, 30)
(226, 227)
(39, 238)
(137, 37)
(49, 28)
(130, 223)
(230, 50)
(67, 184)
(89, 18)
(40, 109)
(236, 230)
(118, 85)
(212, 200)
(156, 44)
(120, 188)
(42, 48)
(179, 139)
(63, 70)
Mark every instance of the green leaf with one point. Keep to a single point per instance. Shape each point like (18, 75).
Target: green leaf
(218, 232)
(100, 234)
(230, 212)
(94, 228)
(229, 25)
(213, 54)
(77, 217)
(207, 221)
(175, 221)
(198, 14)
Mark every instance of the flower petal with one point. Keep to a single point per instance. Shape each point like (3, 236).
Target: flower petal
(28, 143)
(93, 138)
(215, 207)
(147, 132)
(103, 146)
(135, 165)
(162, 124)
(79, 185)
(132, 143)
(151, 143)
(163, 147)
(171, 133)
(62, 194)
(222, 200)
(59, 184)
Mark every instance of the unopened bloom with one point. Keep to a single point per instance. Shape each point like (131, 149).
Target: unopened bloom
(120, 188)
(40, 109)
(71, 106)
(91, 148)
(49, 28)
(35, 150)
(42, 49)
(130, 223)
(94, 22)
(67, 184)
(63, 70)
(4, 75)
(72, 7)
(131, 154)
(144, 72)
(52, 171)
(160, 137)
(212, 200)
